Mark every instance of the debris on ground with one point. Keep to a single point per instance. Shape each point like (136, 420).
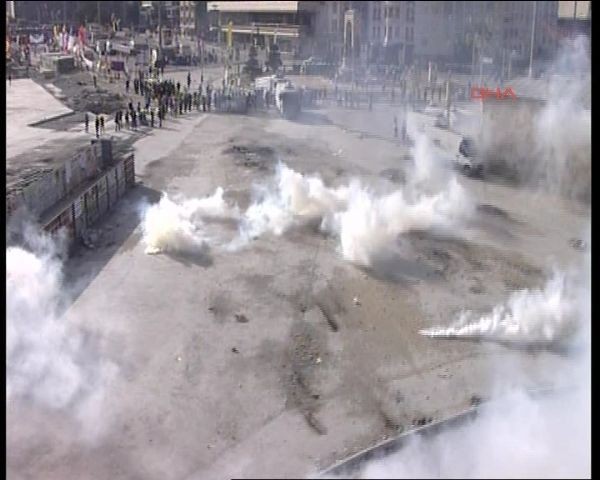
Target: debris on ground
(476, 400)
(241, 318)
(328, 313)
(578, 244)
(420, 422)
(356, 301)
(235, 350)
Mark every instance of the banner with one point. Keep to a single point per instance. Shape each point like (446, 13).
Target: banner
(230, 34)
(82, 34)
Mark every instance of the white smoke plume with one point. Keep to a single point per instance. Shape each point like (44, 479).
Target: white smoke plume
(292, 199)
(178, 227)
(366, 222)
(371, 224)
(48, 361)
(545, 315)
(518, 436)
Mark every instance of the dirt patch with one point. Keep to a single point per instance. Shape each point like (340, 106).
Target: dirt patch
(305, 354)
(492, 210)
(330, 306)
(456, 260)
(252, 157)
(97, 102)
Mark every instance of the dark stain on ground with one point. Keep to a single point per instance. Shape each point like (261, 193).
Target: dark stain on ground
(492, 210)
(187, 259)
(304, 350)
(221, 306)
(117, 229)
(455, 259)
(328, 303)
(254, 157)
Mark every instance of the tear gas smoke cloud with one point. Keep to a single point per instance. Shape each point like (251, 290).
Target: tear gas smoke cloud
(517, 436)
(47, 359)
(292, 199)
(366, 223)
(178, 227)
(520, 434)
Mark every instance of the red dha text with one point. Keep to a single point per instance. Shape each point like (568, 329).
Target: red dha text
(478, 93)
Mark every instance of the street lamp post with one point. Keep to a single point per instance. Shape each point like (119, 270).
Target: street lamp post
(160, 32)
(533, 39)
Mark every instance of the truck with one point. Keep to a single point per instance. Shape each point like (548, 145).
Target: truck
(468, 159)
(288, 98)
(505, 141)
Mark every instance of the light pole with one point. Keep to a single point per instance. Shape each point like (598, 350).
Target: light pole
(160, 57)
(533, 39)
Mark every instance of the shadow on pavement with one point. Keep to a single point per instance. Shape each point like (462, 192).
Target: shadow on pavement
(117, 229)
(312, 118)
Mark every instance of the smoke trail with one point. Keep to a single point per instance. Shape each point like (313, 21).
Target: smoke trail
(48, 359)
(543, 315)
(520, 434)
(178, 227)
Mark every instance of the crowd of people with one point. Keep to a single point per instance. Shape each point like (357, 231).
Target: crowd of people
(161, 97)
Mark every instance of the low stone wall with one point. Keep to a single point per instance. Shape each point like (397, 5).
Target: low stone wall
(75, 194)
(81, 210)
(45, 187)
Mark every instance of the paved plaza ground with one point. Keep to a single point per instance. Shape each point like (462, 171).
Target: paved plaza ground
(229, 365)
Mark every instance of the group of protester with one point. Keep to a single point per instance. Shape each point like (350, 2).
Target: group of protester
(166, 96)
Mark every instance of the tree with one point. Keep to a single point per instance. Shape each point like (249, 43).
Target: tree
(274, 61)
(252, 67)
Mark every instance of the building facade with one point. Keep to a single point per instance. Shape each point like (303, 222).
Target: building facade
(187, 19)
(435, 31)
(501, 32)
(288, 23)
(391, 32)
(574, 18)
